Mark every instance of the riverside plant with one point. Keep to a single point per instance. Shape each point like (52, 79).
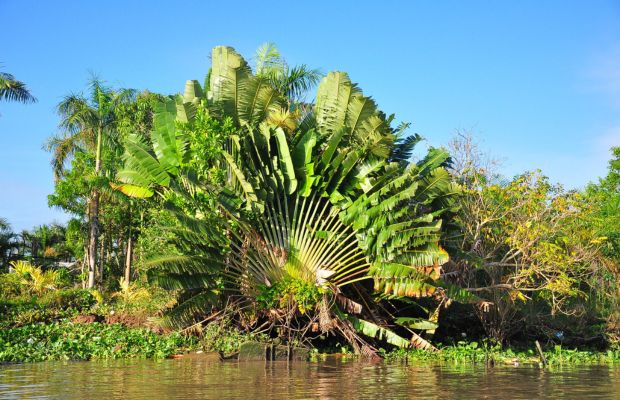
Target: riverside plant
(321, 194)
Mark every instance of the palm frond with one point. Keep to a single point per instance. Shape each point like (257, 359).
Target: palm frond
(267, 58)
(403, 148)
(295, 82)
(190, 310)
(13, 90)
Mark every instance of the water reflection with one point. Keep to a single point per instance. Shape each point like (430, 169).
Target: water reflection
(204, 379)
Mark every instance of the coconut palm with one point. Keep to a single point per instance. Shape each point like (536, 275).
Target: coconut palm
(88, 124)
(330, 204)
(13, 90)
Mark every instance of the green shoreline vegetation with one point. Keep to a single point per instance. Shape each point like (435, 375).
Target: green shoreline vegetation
(62, 341)
(253, 207)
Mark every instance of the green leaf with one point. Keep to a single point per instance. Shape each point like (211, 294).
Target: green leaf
(416, 323)
(135, 191)
(247, 188)
(375, 331)
(164, 133)
(286, 162)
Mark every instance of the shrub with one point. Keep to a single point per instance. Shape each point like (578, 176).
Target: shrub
(33, 279)
(131, 292)
(9, 286)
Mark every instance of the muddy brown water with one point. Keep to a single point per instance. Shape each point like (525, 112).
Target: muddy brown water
(188, 378)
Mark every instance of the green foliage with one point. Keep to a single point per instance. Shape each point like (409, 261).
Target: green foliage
(86, 155)
(605, 221)
(71, 192)
(290, 292)
(10, 285)
(280, 205)
(294, 82)
(138, 297)
(78, 299)
(67, 341)
(44, 245)
(224, 337)
(206, 136)
(19, 310)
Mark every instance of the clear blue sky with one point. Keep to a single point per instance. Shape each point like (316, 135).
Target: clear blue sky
(537, 82)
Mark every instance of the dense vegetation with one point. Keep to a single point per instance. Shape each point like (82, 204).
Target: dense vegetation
(57, 341)
(241, 209)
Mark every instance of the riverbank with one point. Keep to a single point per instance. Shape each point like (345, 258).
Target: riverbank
(66, 340)
(464, 353)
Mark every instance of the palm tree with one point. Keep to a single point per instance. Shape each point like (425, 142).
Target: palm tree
(88, 125)
(23, 243)
(294, 82)
(332, 203)
(13, 90)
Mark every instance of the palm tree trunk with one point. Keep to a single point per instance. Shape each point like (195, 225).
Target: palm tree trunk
(94, 219)
(94, 233)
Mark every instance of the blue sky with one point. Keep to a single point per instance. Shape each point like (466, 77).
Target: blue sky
(538, 83)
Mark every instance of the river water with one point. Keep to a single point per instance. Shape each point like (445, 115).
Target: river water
(332, 379)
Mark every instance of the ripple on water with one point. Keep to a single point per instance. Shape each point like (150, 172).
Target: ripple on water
(202, 379)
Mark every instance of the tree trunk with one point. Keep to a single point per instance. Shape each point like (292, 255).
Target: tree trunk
(84, 264)
(94, 219)
(128, 259)
(101, 258)
(94, 234)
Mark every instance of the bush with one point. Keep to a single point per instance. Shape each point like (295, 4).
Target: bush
(304, 295)
(9, 286)
(33, 280)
